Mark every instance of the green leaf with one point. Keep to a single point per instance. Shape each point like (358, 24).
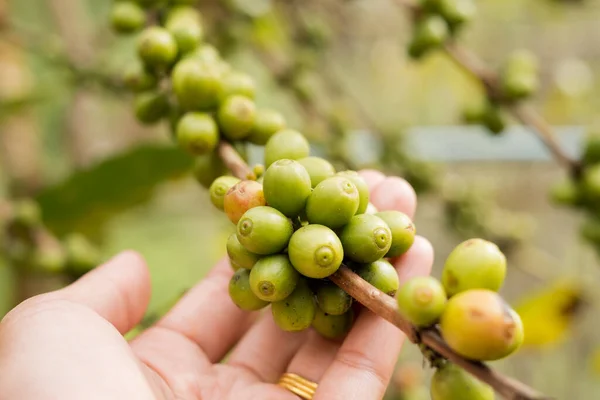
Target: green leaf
(89, 198)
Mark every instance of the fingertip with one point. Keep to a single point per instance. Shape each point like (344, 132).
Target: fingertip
(394, 193)
(417, 261)
(372, 177)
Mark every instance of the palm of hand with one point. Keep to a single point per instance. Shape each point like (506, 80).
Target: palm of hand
(69, 344)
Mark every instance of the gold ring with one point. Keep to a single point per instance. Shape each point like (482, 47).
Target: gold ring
(296, 384)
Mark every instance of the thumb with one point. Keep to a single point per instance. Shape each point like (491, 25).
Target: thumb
(119, 290)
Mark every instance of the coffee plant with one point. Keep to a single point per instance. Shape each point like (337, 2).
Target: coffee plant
(307, 241)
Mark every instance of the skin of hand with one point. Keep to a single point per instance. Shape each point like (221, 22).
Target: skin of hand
(69, 344)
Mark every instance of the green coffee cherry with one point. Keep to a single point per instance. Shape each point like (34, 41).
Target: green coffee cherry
(127, 17)
(196, 84)
(297, 311)
(333, 327)
(454, 383)
(137, 79)
(207, 168)
(457, 12)
(236, 117)
(366, 238)
(332, 299)
(219, 188)
(315, 251)
(318, 169)
(266, 124)
(474, 264)
(363, 189)
(333, 202)
(197, 133)
(430, 33)
(422, 300)
(493, 119)
(288, 144)
(150, 107)
(287, 187)
(185, 25)
(242, 197)
(238, 253)
(237, 83)
(479, 325)
(403, 231)
(82, 256)
(264, 230)
(157, 47)
(273, 278)
(591, 182)
(519, 76)
(241, 294)
(381, 275)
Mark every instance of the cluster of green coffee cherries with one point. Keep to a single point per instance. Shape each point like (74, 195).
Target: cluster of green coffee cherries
(518, 80)
(583, 191)
(436, 21)
(472, 317)
(27, 248)
(297, 224)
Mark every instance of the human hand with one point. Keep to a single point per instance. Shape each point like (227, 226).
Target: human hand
(69, 344)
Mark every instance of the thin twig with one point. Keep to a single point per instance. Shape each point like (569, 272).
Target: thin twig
(387, 308)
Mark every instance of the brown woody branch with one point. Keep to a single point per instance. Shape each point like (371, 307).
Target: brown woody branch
(387, 308)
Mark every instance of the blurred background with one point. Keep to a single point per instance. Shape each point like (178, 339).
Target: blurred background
(340, 73)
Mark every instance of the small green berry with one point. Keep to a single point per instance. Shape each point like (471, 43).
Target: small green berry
(273, 278)
(474, 264)
(451, 382)
(127, 17)
(430, 33)
(422, 300)
(287, 187)
(196, 84)
(381, 275)
(315, 251)
(366, 238)
(333, 202)
(150, 107)
(403, 231)
(297, 311)
(318, 168)
(288, 144)
(264, 230)
(333, 327)
(239, 255)
(219, 188)
(197, 133)
(236, 117)
(591, 182)
(266, 124)
(157, 47)
(363, 189)
(332, 299)
(241, 293)
(185, 24)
